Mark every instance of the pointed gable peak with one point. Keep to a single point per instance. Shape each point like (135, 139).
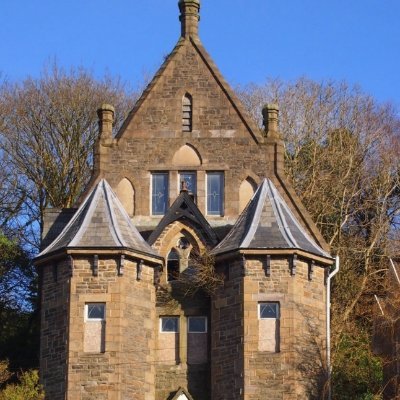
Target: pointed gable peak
(182, 394)
(185, 209)
(268, 223)
(100, 222)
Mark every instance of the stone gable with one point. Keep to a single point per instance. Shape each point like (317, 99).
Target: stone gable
(118, 322)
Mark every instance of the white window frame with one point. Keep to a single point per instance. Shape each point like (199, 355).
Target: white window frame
(198, 316)
(87, 319)
(222, 194)
(174, 317)
(269, 302)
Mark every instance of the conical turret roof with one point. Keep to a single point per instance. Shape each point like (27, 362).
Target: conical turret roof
(101, 222)
(268, 223)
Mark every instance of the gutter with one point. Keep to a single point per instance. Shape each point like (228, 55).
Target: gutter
(328, 324)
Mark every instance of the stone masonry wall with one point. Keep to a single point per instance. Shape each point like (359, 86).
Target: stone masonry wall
(227, 337)
(55, 284)
(155, 134)
(296, 371)
(172, 366)
(126, 368)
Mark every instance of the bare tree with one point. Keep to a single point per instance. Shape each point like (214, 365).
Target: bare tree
(342, 157)
(48, 127)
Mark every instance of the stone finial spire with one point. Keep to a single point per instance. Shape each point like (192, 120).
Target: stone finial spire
(106, 120)
(189, 17)
(270, 114)
(273, 138)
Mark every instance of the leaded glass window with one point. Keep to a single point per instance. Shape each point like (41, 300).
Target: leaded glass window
(269, 310)
(169, 324)
(215, 193)
(159, 193)
(95, 311)
(188, 181)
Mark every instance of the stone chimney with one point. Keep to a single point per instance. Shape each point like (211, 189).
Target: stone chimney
(106, 120)
(270, 114)
(105, 139)
(273, 141)
(189, 17)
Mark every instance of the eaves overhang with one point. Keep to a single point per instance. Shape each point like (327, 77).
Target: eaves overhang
(230, 254)
(100, 251)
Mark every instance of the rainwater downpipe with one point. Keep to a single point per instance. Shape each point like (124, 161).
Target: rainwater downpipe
(328, 324)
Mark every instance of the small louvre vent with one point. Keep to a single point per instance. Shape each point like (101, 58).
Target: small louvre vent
(187, 113)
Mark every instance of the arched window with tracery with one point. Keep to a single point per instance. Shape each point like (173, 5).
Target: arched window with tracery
(187, 110)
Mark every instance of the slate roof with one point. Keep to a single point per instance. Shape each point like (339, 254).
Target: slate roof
(184, 208)
(101, 222)
(268, 223)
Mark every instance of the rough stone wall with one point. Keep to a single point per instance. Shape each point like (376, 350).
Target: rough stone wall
(152, 137)
(227, 366)
(172, 367)
(55, 285)
(296, 371)
(126, 368)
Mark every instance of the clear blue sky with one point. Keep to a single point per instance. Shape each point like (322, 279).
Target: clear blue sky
(250, 40)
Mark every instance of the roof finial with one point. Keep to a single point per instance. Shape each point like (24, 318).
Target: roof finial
(184, 187)
(189, 17)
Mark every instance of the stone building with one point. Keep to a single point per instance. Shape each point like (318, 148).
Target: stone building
(188, 186)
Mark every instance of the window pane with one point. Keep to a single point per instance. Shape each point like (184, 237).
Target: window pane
(190, 179)
(197, 324)
(159, 193)
(215, 184)
(169, 324)
(269, 310)
(96, 311)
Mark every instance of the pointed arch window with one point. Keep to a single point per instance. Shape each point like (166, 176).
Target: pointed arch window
(173, 265)
(187, 110)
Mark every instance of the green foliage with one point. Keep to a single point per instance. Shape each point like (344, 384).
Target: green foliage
(18, 323)
(357, 372)
(28, 388)
(8, 251)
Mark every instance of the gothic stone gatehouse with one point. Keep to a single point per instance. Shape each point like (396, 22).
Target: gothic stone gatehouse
(188, 173)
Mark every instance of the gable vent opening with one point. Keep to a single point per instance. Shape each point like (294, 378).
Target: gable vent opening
(187, 108)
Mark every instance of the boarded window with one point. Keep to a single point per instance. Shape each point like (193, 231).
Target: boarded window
(246, 192)
(269, 326)
(197, 340)
(168, 341)
(126, 195)
(187, 113)
(95, 326)
(186, 156)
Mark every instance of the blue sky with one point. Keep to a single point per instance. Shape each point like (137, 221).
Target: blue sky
(250, 40)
